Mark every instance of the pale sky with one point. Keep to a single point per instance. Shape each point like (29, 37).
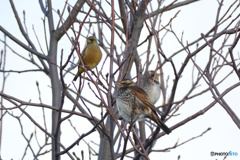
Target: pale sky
(193, 19)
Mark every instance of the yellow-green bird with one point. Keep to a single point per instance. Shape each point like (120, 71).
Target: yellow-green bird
(91, 56)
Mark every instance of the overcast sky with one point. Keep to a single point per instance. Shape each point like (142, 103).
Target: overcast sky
(194, 19)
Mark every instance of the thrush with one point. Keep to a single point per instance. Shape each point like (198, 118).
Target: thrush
(91, 56)
(133, 104)
(152, 87)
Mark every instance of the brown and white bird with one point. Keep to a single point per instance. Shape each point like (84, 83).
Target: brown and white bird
(152, 87)
(133, 104)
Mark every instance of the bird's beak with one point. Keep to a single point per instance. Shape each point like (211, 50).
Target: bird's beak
(119, 84)
(157, 75)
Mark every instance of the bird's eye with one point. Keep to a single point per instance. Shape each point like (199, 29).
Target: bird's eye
(125, 83)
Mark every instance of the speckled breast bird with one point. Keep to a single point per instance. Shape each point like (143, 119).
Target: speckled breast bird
(91, 56)
(133, 104)
(152, 87)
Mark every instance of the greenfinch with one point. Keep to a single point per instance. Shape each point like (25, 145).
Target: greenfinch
(133, 104)
(91, 56)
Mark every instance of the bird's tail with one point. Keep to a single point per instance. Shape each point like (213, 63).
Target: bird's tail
(161, 124)
(78, 74)
(75, 78)
(164, 127)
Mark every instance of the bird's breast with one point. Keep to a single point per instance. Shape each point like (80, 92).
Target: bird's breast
(92, 56)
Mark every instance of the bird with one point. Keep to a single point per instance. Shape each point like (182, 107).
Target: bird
(91, 56)
(152, 87)
(133, 104)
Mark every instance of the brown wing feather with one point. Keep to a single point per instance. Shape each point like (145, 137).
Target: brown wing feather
(142, 95)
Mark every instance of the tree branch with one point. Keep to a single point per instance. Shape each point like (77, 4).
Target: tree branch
(33, 51)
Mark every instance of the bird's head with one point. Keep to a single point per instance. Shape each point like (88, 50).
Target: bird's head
(126, 83)
(91, 40)
(152, 73)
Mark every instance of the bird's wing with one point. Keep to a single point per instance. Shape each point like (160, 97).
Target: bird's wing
(83, 54)
(84, 51)
(142, 95)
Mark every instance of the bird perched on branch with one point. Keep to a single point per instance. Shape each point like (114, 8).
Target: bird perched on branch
(91, 56)
(152, 87)
(133, 104)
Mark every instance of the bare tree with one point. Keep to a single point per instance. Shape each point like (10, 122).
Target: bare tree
(132, 37)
